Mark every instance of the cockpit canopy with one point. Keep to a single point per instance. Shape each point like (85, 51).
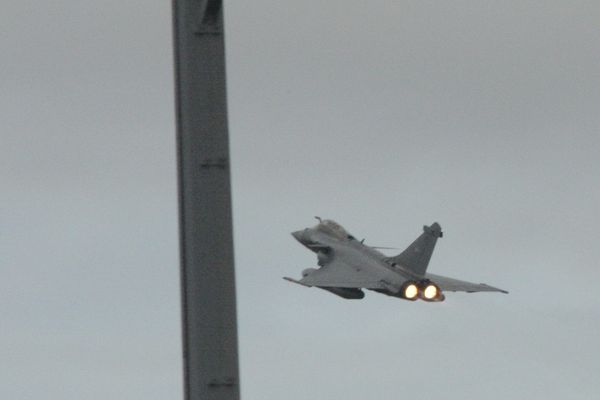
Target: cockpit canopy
(334, 229)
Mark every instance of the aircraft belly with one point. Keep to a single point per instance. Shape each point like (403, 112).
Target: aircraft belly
(366, 264)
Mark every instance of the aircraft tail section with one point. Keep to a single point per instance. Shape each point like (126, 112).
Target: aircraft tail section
(416, 257)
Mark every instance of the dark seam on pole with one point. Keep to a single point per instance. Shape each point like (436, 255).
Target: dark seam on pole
(180, 191)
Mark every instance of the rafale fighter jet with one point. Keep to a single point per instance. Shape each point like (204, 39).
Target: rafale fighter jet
(348, 265)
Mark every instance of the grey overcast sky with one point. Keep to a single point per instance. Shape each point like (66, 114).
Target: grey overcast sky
(383, 115)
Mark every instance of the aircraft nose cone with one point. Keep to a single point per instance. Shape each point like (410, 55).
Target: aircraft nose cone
(298, 235)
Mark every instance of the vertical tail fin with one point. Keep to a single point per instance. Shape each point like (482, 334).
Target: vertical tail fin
(416, 257)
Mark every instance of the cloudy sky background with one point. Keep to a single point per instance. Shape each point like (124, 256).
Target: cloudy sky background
(381, 115)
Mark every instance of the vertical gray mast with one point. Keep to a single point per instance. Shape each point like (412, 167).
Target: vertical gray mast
(207, 271)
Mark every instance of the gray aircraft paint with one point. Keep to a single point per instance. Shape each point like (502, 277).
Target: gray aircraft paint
(346, 263)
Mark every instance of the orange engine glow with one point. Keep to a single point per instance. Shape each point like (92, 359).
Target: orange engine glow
(411, 291)
(430, 292)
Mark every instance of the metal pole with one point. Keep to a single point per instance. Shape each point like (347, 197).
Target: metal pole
(206, 244)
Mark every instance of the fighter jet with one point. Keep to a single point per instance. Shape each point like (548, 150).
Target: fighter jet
(348, 265)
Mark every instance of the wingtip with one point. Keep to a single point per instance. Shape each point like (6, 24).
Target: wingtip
(500, 290)
(495, 289)
(295, 281)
